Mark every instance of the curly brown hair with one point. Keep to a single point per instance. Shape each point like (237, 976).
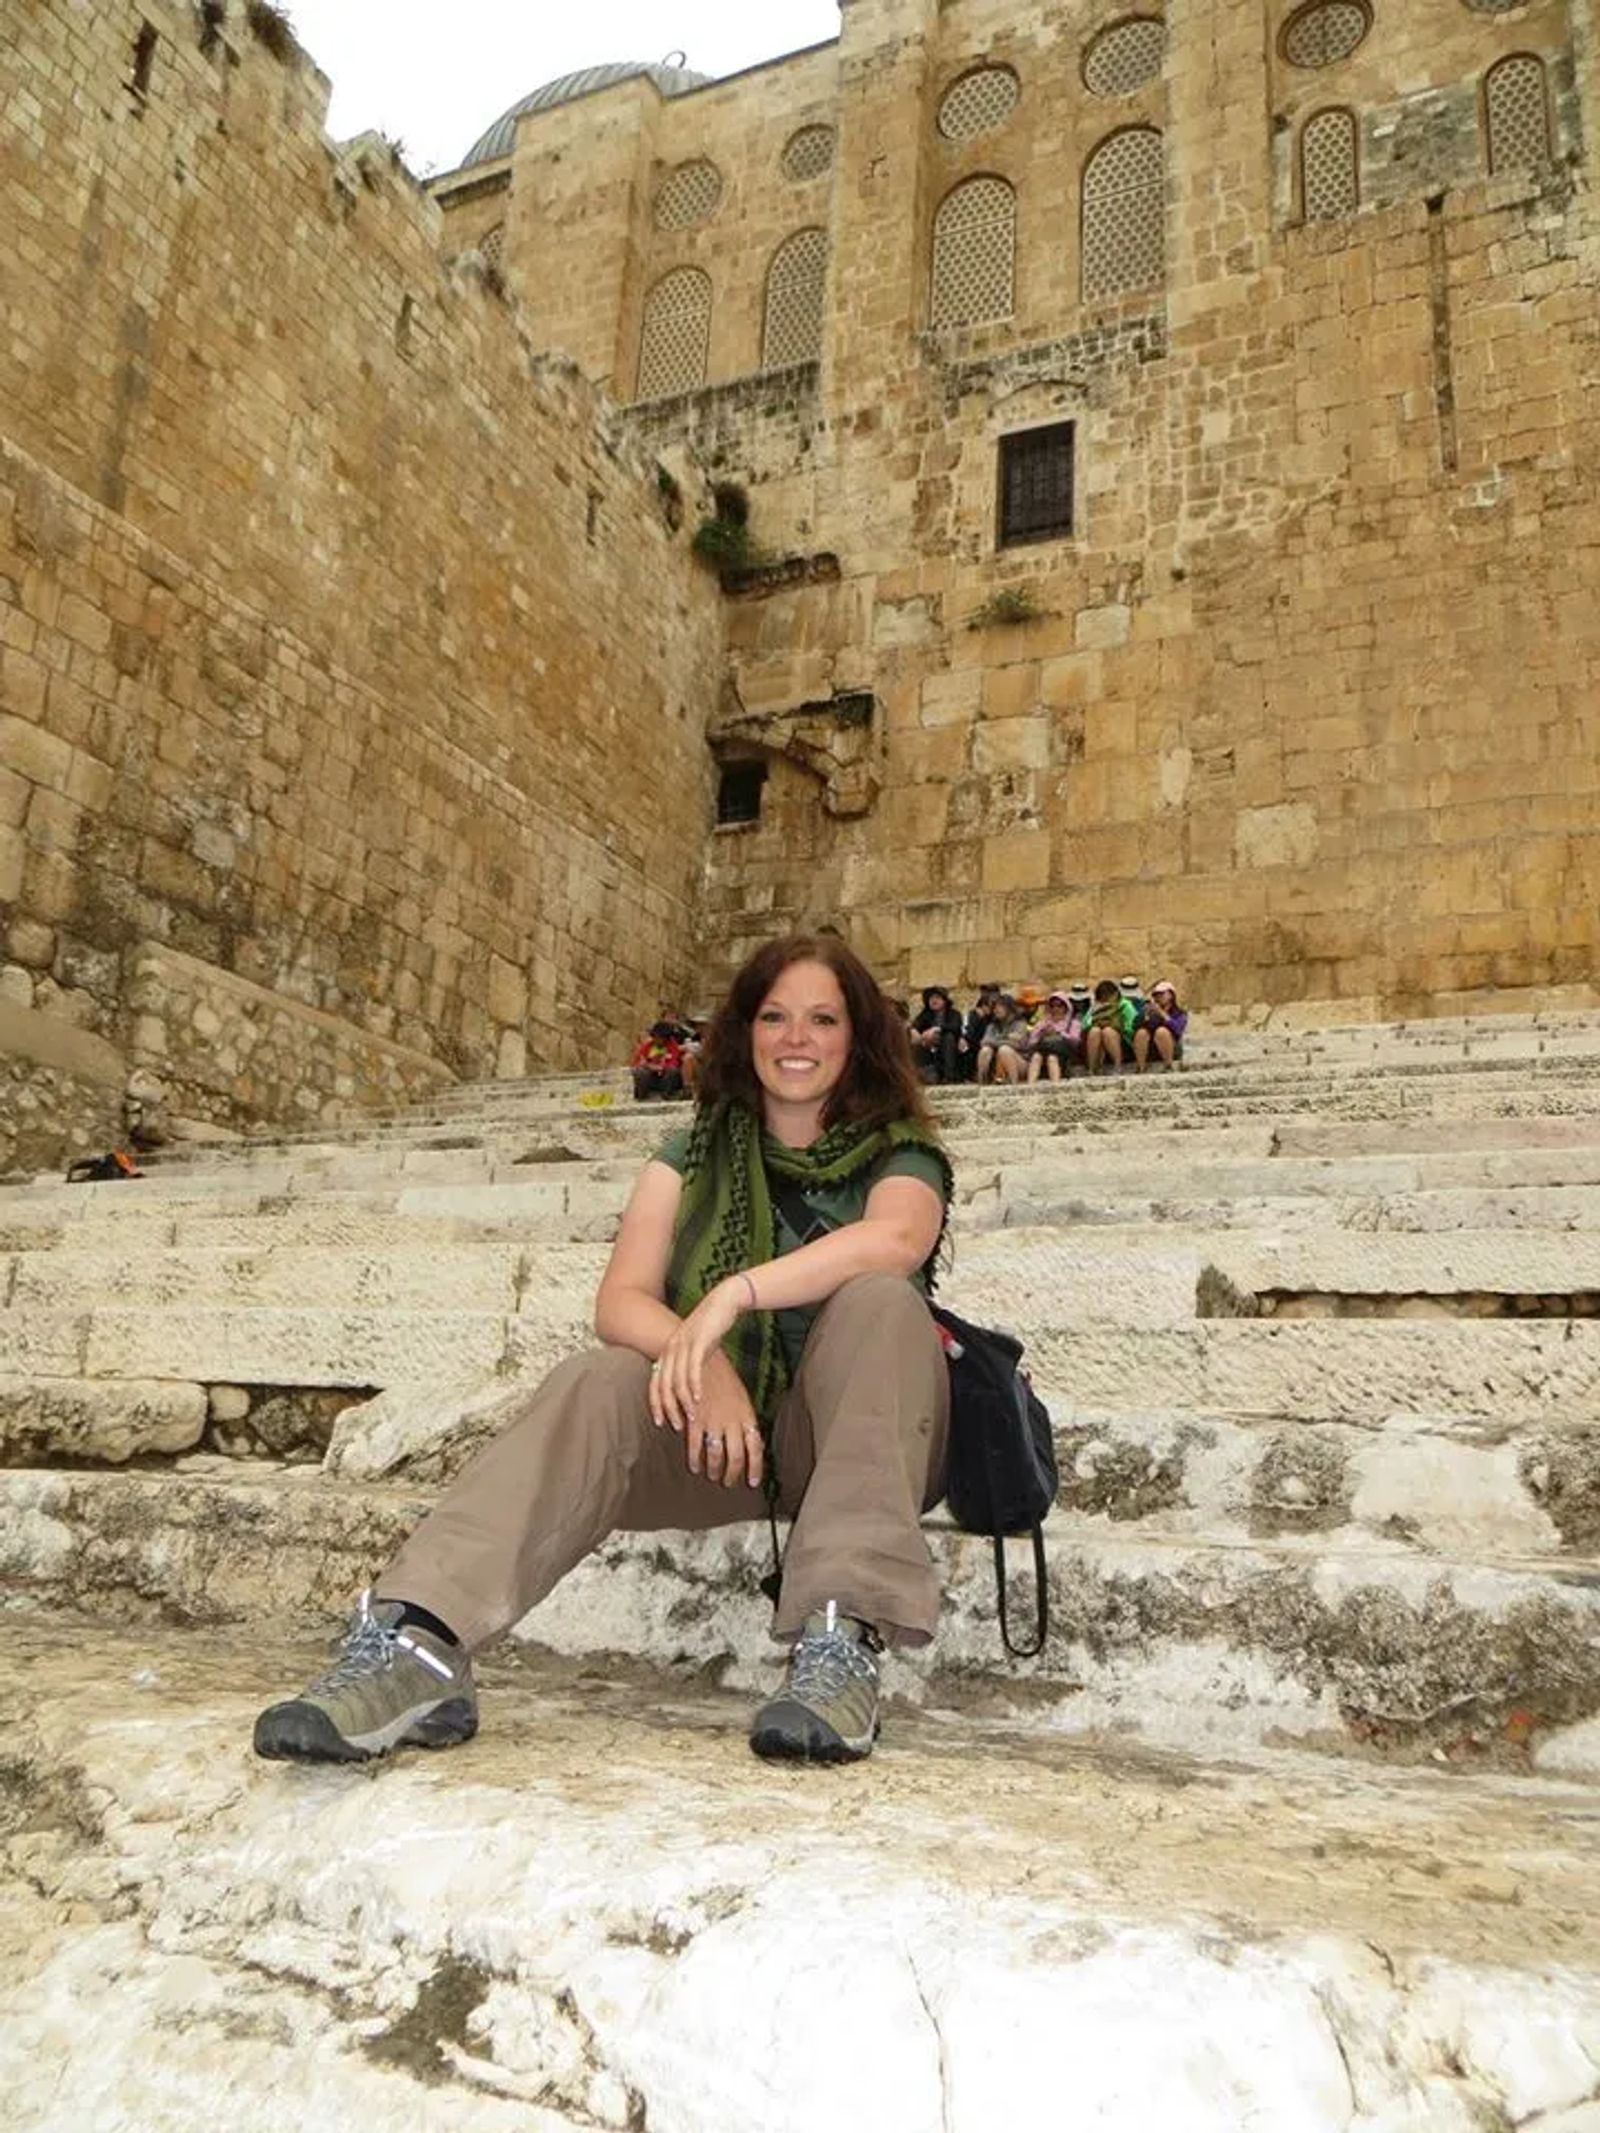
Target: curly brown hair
(879, 1083)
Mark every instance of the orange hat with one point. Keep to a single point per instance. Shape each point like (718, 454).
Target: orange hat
(1029, 995)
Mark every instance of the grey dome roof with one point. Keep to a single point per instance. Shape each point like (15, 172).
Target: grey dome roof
(671, 81)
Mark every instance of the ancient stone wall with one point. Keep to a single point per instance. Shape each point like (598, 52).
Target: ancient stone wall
(1306, 707)
(347, 652)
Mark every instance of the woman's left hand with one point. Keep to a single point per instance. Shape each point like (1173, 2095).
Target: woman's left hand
(680, 1376)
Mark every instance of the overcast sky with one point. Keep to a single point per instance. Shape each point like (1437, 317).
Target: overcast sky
(437, 73)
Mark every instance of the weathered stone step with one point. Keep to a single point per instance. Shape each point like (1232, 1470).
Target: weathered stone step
(55, 1419)
(1458, 1265)
(1335, 1647)
(584, 1199)
(1442, 1484)
(1138, 1280)
(1102, 1103)
(1312, 1369)
(1139, 1149)
(563, 1909)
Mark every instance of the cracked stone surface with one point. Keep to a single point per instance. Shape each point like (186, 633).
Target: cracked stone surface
(605, 1913)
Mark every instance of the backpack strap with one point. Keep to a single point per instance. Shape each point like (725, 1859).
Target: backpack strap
(1041, 1597)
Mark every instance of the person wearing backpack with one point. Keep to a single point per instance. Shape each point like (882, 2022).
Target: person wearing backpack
(765, 1336)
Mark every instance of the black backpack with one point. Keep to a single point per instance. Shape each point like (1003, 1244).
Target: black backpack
(1002, 1456)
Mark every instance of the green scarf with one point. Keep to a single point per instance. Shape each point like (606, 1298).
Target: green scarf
(727, 1222)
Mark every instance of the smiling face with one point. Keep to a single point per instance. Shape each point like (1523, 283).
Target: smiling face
(800, 1039)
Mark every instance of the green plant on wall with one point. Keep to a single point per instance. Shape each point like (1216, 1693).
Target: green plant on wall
(1011, 605)
(723, 539)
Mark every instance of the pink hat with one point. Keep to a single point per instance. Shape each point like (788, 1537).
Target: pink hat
(1166, 985)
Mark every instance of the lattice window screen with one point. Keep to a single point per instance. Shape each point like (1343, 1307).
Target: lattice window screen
(1330, 180)
(1124, 214)
(1125, 57)
(1326, 32)
(1494, 7)
(795, 284)
(677, 328)
(808, 153)
(687, 195)
(975, 254)
(1518, 111)
(978, 102)
(492, 244)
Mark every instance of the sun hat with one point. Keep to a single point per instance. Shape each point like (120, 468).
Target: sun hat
(1165, 985)
(1029, 995)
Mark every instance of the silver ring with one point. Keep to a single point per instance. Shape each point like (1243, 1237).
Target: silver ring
(715, 1444)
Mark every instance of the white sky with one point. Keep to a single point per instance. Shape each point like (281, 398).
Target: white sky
(435, 74)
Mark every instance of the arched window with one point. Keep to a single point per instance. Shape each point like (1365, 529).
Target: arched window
(975, 254)
(796, 278)
(677, 328)
(1124, 214)
(1330, 166)
(1516, 109)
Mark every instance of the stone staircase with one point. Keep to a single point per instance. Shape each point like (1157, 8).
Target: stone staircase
(1317, 1323)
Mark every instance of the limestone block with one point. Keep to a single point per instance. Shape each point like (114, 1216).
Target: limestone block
(228, 1403)
(464, 1277)
(422, 1432)
(51, 1344)
(1103, 628)
(44, 1418)
(1285, 836)
(285, 1346)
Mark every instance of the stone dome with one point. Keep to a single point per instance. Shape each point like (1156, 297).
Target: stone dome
(671, 81)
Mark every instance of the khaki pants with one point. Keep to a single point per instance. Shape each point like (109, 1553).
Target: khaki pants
(860, 1444)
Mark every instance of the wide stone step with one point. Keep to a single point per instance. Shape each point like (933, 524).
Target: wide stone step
(1140, 1280)
(1186, 1644)
(1462, 1269)
(544, 1929)
(1443, 1485)
(1362, 1369)
(1509, 1108)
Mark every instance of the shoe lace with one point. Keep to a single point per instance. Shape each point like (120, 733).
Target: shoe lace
(824, 1661)
(367, 1647)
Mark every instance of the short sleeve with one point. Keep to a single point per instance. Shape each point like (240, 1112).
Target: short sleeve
(674, 1151)
(912, 1162)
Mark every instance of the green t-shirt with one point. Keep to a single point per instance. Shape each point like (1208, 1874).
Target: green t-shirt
(832, 1207)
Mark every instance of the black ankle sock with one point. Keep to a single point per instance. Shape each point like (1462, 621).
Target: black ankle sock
(414, 1617)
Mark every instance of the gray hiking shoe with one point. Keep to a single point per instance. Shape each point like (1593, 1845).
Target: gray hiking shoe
(389, 1687)
(827, 1709)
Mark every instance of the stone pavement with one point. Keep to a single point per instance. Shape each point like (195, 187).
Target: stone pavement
(1290, 1825)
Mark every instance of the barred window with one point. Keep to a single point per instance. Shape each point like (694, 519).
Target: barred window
(796, 280)
(1517, 110)
(1036, 484)
(1330, 167)
(688, 195)
(492, 245)
(1325, 32)
(676, 331)
(1494, 7)
(978, 102)
(975, 253)
(1124, 214)
(807, 154)
(1125, 56)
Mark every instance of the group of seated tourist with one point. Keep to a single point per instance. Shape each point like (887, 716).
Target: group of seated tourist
(1026, 1034)
(666, 1060)
(1032, 1035)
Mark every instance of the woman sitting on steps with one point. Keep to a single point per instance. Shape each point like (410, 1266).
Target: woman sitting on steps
(764, 1320)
